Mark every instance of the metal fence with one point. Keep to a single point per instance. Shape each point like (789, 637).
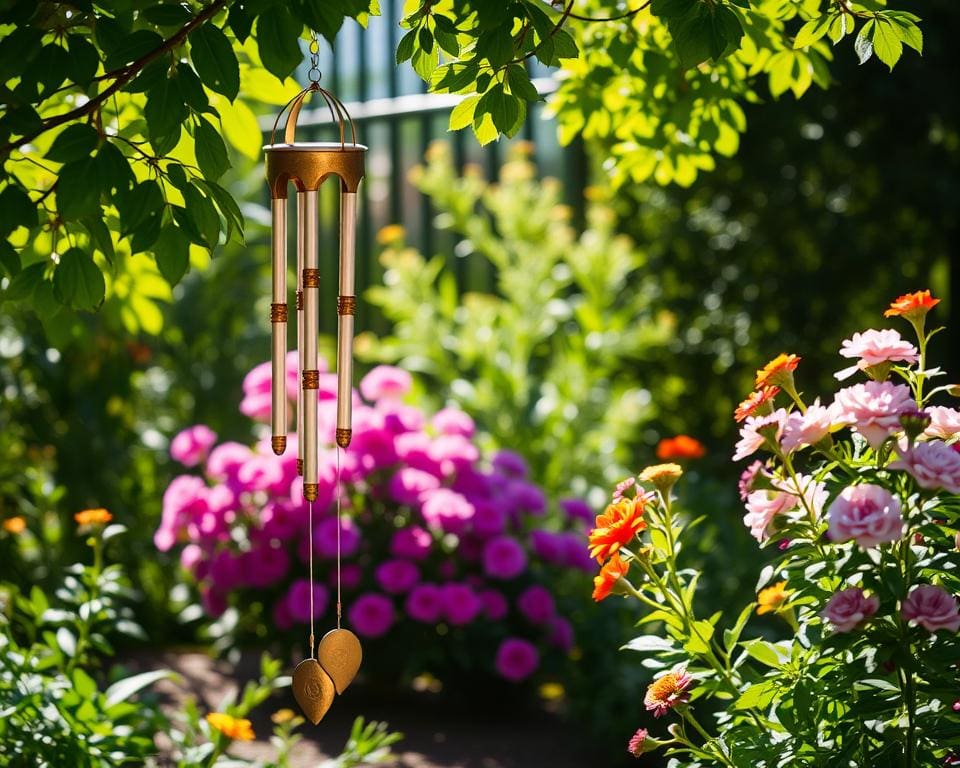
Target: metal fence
(397, 119)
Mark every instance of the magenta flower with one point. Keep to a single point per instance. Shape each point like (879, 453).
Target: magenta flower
(536, 604)
(451, 421)
(399, 418)
(932, 464)
(516, 659)
(325, 537)
(495, 605)
(214, 602)
(867, 513)
(397, 576)
(413, 449)
(636, 744)
(371, 615)
(751, 439)
(351, 575)
(452, 453)
(264, 565)
(425, 603)
(561, 634)
(413, 543)
(226, 570)
(281, 521)
(446, 510)
(191, 557)
(256, 403)
(489, 519)
(385, 382)
(226, 459)
(510, 463)
(874, 409)
(503, 558)
(192, 445)
(461, 605)
(849, 608)
(874, 347)
(298, 600)
(932, 608)
(262, 473)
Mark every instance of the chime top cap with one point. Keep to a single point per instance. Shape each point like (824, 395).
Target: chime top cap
(316, 146)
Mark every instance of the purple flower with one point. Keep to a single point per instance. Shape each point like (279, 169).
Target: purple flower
(385, 382)
(517, 659)
(528, 497)
(536, 604)
(451, 421)
(561, 634)
(409, 483)
(281, 521)
(371, 614)
(282, 619)
(425, 603)
(577, 553)
(510, 464)
(489, 519)
(226, 571)
(192, 445)
(351, 575)
(413, 543)
(495, 605)
(549, 547)
(578, 509)
(503, 558)
(397, 576)
(446, 510)
(298, 600)
(325, 537)
(399, 417)
(265, 565)
(460, 603)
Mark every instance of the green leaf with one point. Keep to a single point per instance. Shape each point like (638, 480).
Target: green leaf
(190, 88)
(278, 33)
(406, 45)
(211, 151)
(113, 170)
(501, 106)
(84, 59)
(25, 283)
(76, 141)
(132, 47)
(519, 82)
(124, 689)
(671, 8)
(425, 63)
(757, 696)
(166, 15)
(100, 237)
(650, 644)
(907, 30)
(78, 189)
(78, 280)
(9, 259)
(731, 636)
(812, 31)
(762, 651)
(863, 45)
(886, 42)
(699, 641)
(16, 210)
(66, 642)
(215, 61)
(172, 251)
(165, 113)
(564, 45)
(496, 45)
(228, 207)
(201, 212)
(143, 202)
(462, 114)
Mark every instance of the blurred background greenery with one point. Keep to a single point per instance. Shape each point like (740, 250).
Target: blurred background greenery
(576, 335)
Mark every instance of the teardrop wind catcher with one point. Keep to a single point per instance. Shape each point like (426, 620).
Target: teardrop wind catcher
(857, 500)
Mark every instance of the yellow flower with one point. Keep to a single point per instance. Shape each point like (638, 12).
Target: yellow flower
(97, 516)
(770, 599)
(14, 525)
(231, 727)
(663, 476)
(392, 234)
(282, 716)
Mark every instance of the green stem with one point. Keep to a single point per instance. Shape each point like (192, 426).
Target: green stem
(918, 326)
(688, 716)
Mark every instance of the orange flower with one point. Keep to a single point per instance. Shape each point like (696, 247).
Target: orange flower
(619, 523)
(680, 447)
(14, 525)
(912, 305)
(778, 372)
(667, 692)
(755, 402)
(770, 599)
(231, 727)
(610, 574)
(97, 516)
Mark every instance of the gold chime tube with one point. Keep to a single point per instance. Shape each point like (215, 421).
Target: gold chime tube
(346, 309)
(301, 216)
(278, 322)
(310, 374)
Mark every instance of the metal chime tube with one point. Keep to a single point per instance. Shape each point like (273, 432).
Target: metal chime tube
(311, 374)
(278, 322)
(301, 216)
(346, 309)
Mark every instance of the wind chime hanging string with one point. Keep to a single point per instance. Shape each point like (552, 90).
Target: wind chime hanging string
(331, 666)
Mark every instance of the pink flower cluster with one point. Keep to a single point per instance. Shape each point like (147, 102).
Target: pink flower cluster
(429, 533)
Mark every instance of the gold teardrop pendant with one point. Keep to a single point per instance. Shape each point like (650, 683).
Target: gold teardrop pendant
(340, 655)
(313, 689)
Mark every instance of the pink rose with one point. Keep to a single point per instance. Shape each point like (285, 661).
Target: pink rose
(385, 382)
(451, 421)
(933, 465)
(803, 429)
(867, 513)
(848, 608)
(876, 347)
(874, 409)
(944, 422)
(932, 608)
(762, 509)
(751, 439)
(192, 445)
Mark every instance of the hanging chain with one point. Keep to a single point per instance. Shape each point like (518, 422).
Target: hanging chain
(314, 74)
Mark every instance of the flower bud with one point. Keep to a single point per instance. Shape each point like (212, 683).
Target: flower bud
(914, 423)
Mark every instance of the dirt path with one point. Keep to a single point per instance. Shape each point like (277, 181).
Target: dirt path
(437, 732)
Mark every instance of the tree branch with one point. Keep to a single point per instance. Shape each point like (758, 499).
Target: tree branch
(622, 16)
(122, 78)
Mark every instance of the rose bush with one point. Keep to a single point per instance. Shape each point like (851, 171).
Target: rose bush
(439, 545)
(858, 500)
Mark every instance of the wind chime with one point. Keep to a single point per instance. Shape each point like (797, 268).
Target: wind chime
(331, 666)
